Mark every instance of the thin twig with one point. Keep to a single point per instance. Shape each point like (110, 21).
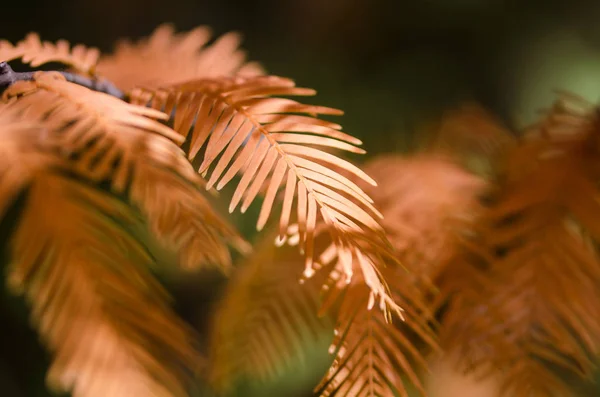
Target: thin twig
(8, 77)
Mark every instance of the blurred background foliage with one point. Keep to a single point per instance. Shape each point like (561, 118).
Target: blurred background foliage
(392, 65)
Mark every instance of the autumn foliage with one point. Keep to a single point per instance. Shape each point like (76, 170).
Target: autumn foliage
(400, 260)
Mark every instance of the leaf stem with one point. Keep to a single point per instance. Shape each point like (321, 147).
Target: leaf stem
(8, 77)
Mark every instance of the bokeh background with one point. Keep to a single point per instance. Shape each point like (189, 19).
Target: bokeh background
(391, 65)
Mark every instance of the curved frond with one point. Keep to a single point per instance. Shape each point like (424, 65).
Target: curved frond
(532, 306)
(267, 322)
(114, 142)
(373, 357)
(92, 299)
(424, 199)
(167, 57)
(33, 51)
(20, 154)
(243, 128)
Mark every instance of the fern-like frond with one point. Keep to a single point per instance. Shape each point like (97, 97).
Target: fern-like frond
(110, 141)
(267, 322)
(93, 300)
(33, 51)
(425, 199)
(565, 119)
(533, 305)
(374, 358)
(20, 144)
(73, 256)
(167, 57)
(272, 142)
